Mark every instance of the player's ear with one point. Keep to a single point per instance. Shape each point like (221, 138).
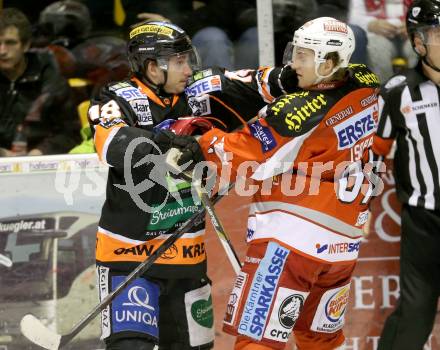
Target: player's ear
(154, 72)
(326, 67)
(419, 46)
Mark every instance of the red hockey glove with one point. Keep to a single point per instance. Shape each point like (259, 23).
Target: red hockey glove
(191, 126)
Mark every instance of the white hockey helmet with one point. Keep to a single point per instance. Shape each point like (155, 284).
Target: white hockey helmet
(323, 35)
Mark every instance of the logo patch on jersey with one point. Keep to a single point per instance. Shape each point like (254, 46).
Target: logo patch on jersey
(329, 316)
(142, 109)
(200, 316)
(421, 106)
(339, 116)
(103, 273)
(234, 298)
(285, 312)
(129, 93)
(262, 291)
(171, 213)
(136, 309)
(369, 100)
(302, 111)
(109, 123)
(367, 78)
(203, 86)
(200, 105)
(264, 135)
(338, 248)
(350, 131)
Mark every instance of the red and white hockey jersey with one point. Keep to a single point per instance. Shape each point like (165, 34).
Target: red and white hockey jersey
(306, 156)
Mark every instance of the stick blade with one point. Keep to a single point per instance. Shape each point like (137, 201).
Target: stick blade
(32, 328)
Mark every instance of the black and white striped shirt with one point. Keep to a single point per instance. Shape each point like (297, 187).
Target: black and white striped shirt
(409, 110)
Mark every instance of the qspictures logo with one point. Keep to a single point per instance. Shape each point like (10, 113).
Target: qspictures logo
(279, 175)
(157, 177)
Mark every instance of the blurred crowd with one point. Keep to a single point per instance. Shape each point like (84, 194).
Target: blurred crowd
(54, 55)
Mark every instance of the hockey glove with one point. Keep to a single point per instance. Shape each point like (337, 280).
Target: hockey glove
(167, 139)
(191, 155)
(191, 126)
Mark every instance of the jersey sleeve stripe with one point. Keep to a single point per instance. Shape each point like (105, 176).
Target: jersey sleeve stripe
(317, 217)
(103, 137)
(263, 86)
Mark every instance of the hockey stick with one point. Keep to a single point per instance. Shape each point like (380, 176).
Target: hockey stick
(173, 155)
(33, 329)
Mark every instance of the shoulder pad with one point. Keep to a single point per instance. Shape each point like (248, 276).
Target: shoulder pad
(395, 81)
(203, 74)
(291, 112)
(362, 76)
(128, 91)
(204, 84)
(119, 85)
(133, 100)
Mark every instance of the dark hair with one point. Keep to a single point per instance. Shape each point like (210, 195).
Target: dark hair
(12, 17)
(334, 56)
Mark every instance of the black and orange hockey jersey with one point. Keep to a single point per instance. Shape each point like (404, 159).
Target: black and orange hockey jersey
(140, 206)
(138, 211)
(307, 156)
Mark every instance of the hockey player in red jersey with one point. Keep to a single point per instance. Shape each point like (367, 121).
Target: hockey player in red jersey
(304, 232)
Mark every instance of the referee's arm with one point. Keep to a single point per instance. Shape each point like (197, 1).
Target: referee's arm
(386, 133)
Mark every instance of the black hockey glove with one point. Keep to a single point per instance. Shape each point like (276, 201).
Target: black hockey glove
(167, 139)
(191, 153)
(289, 79)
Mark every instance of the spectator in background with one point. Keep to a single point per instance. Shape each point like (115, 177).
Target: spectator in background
(384, 22)
(224, 33)
(288, 16)
(31, 9)
(339, 10)
(229, 37)
(65, 27)
(35, 104)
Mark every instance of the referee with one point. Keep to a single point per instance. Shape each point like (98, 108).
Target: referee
(410, 114)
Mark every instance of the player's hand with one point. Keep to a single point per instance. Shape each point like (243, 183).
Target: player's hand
(191, 155)
(191, 126)
(167, 139)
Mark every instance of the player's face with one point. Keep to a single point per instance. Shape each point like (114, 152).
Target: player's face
(179, 70)
(11, 49)
(432, 40)
(303, 62)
